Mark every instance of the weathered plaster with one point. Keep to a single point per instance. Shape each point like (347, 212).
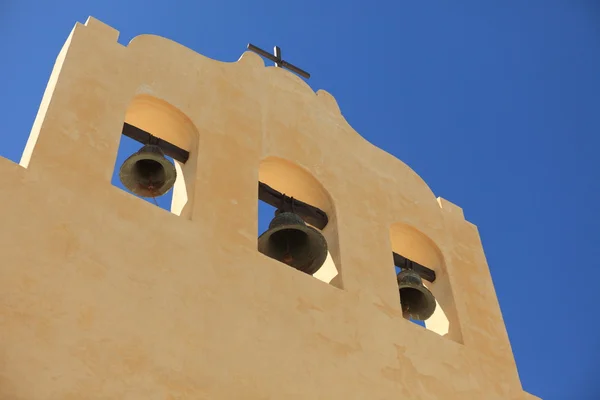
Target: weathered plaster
(105, 296)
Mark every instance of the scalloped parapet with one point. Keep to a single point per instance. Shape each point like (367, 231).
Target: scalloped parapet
(107, 296)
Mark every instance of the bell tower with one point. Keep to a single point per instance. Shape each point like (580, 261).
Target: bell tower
(105, 296)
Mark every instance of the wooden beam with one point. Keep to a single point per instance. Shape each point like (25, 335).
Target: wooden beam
(405, 263)
(143, 137)
(310, 214)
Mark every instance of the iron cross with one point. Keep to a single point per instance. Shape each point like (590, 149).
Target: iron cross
(276, 58)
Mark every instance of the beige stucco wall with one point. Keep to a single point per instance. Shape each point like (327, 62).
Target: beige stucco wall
(105, 296)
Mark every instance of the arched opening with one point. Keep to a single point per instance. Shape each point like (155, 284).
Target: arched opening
(418, 248)
(294, 181)
(148, 114)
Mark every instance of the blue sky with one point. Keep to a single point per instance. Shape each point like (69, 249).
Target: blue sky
(494, 103)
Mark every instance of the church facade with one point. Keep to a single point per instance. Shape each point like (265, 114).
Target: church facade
(105, 296)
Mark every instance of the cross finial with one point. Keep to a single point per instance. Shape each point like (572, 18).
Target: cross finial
(276, 58)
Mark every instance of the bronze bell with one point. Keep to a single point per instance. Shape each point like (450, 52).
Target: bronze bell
(147, 173)
(417, 301)
(292, 242)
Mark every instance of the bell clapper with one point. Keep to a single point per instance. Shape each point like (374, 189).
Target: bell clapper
(287, 257)
(153, 192)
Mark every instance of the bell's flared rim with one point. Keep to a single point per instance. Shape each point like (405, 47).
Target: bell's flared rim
(126, 172)
(313, 233)
(431, 303)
